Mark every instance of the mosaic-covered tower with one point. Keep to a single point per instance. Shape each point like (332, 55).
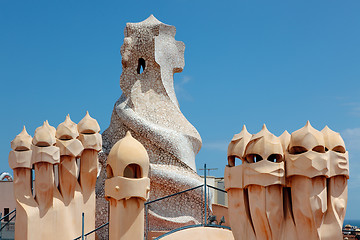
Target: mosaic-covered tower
(149, 109)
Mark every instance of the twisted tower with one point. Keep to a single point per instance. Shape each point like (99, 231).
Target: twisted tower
(149, 109)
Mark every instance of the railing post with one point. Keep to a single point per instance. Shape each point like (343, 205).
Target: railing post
(146, 222)
(205, 186)
(82, 227)
(0, 226)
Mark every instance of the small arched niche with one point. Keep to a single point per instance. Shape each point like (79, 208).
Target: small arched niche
(141, 66)
(339, 149)
(133, 171)
(109, 172)
(253, 158)
(234, 161)
(276, 158)
(297, 150)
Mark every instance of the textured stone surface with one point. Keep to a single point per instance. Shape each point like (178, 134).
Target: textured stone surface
(148, 108)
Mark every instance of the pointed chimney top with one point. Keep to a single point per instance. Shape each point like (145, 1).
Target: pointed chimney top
(22, 141)
(67, 130)
(88, 125)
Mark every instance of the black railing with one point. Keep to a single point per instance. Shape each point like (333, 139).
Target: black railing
(7, 215)
(87, 234)
(174, 194)
(8, 221)
(218, 189)
(207, 219)
(204, 222)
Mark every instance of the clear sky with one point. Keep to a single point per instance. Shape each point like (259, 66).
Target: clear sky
(246, 62)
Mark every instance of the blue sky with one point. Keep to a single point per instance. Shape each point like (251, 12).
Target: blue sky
(246, 62)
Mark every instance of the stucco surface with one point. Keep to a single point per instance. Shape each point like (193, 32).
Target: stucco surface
(201, 233)
(288, 187)
(63, 188)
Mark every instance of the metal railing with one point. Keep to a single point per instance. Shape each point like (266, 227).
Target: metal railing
(204, 207)
(204, 210)
(206, 218)
(8, 221)
(83, 235)
(164, 200)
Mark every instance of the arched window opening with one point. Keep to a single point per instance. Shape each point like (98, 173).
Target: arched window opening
(132, 171)
(141, 66)
(109, 171)
(275, 158)
(232, 160)
(339, 149)
(319, 149)
(297, 150)
(253, 158)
